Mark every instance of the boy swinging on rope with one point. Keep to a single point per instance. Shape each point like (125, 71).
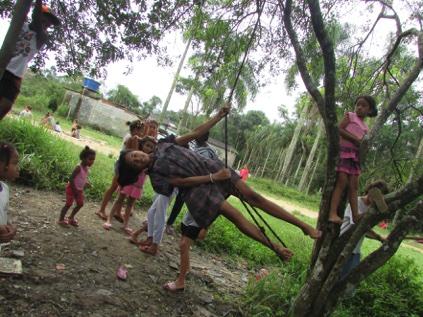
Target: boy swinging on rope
(31, 39)
(206, 183)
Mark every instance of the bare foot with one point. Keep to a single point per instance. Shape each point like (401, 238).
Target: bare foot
(101, 215)
(149, 249)
(335, 219)
(284, 253)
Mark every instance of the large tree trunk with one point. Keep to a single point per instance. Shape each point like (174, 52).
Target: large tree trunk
(319, 294)
(293, 144)
(309, 163)
(265, 162)
(175, 79)
(313, 173)
(20, 13)
(299, 166)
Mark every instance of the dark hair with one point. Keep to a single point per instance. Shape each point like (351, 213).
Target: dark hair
(372, 103)
(57, 122)
(146, 139)
(202, 138)
(86, 152)
(136, 124)
(6, 151)
(380, 184)
(127, 174)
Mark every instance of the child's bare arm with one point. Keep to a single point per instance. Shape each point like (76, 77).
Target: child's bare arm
(198, 180)
(203, 128)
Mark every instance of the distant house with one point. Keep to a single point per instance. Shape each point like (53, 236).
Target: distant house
(99, 113)
(106, 116)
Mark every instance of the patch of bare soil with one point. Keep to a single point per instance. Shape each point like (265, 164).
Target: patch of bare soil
(87, 286)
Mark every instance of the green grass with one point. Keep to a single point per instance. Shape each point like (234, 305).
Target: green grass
(277, 190)
(66, 124)
(47, 161)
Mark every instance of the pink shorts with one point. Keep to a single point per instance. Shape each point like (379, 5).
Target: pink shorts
(132, 191)
(70, 196)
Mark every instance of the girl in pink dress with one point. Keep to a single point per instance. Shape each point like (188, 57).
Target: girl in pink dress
(75, 187)
(352, 130)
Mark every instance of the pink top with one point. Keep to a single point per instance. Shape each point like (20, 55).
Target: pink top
(135, 190)
(356, 127)
(244, 174)
(81, 178)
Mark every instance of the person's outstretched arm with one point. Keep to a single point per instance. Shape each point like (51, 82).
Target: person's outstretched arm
(221, 175)
(206, 126)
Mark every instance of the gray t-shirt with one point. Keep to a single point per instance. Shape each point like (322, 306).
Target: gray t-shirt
(348, 221)
(189, 220)
(4, 203)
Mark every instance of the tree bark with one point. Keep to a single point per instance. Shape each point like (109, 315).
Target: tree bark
(309, 163)
(20, 13)
(312, 174)
(175, 79)
(183, 120)
(299, 166)
(265, 162)
(293, 144)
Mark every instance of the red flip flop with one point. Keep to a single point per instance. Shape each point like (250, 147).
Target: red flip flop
(122, 273)
(171, 287)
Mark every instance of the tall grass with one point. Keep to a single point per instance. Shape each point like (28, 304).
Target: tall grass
(47, 161)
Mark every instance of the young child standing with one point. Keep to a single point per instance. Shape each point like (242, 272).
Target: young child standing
(9, 171)
(130, 192)
(75, 187)
(352, 130)
(136, 129)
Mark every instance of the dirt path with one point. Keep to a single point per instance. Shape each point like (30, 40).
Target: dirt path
(88, 286)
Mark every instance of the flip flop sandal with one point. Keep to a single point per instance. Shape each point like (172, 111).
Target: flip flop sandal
(147, 249)
(73, 222)
(101, 216)
(107, 226)
(63, 223)
(171, 287)
(122, 273)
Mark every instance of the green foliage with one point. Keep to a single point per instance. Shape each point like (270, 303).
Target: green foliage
(394, 290)
(121, 95)
(46, 161)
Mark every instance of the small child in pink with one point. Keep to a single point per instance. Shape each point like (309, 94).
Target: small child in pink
(352, 130)
(75, 187)
(131, 192)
